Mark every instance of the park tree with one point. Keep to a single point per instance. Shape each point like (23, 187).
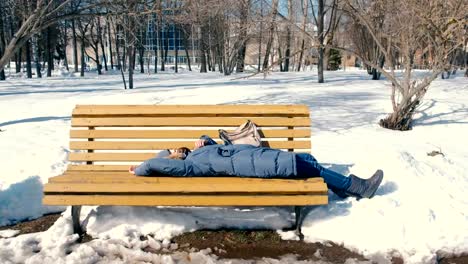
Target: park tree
(362, 39)
(326, 16)
(413, 29)
(38, 15)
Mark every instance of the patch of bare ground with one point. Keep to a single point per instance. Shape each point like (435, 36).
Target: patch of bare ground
(258, 244)
(40, 224)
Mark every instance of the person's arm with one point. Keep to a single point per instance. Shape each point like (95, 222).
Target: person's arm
(204, 141)
(170, 167)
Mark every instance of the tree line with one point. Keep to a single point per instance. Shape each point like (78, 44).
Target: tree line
(389, 38)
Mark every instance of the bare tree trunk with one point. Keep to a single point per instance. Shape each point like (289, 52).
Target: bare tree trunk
(98, 61)
(49, 53)
(109, 41)
(36, 55)
(19, 54)
(260, 38)
(94, 43)
(130, 67)
(176, 46)
(131, 47)
(155, 49)
(101, 42)
(244, 20)
(75, 46)
(166, 48)
(65, 45)
(134, 57)
(320, 33)
(161, 48)
(28, 60)
(280, 59)
(83, 63)
(141, 54)
(465, 56)
(203, 49)
(117, 48)
(305, 12)
(402, 116)
(274, 12)
(187, 55)
(2, 41)
(124, 57)
(287, 53)
(141, 39)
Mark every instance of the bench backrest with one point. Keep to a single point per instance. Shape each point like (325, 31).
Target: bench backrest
(110, 137)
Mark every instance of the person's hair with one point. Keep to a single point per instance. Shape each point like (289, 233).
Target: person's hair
(179, 153)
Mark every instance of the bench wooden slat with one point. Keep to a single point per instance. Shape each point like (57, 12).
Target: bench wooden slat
(115, 186)
(97, 167)
(187, 121)
(74, 156)
(179, 134)
(159, 145)
(102, 177)
(186, 200)
(195, 110)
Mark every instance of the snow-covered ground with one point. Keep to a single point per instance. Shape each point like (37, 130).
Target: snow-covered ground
(420, 209)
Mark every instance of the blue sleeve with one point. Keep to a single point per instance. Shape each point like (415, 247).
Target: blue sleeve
(169, 167)
(208, 140)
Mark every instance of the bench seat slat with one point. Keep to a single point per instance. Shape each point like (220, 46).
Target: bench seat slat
(158, 145)
(186, 200)
(180, 134)
(76, 156)
(111, 186)
(196, 110)
(187, 121)
(127, 177)
(80, 168)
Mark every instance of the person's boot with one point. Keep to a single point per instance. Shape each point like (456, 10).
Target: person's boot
(364, 188)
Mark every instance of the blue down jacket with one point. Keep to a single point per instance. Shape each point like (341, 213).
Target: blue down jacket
(225, 160)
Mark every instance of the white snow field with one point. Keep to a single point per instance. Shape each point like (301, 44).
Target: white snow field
(420, 211)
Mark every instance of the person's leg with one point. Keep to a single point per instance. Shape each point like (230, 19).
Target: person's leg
(307, 166)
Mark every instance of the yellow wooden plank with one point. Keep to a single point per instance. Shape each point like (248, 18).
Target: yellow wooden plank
(187, 121)
(191, 109)
(186, 200)
(82, 156)
(126, 177)
(94, 167)
(113, 186)
(180, 134)
(160, 145)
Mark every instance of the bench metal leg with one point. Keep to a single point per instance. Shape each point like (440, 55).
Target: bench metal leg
(298, 210)
(299, 220)
(77, 229)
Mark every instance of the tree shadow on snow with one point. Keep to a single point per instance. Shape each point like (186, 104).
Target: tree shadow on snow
(457, 114)
(35, 119)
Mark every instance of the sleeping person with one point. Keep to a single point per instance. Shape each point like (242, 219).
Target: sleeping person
(211, 159)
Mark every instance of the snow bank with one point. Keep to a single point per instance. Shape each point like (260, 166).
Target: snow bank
(23, 201)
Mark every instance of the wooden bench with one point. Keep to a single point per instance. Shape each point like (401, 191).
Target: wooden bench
(106, 139)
